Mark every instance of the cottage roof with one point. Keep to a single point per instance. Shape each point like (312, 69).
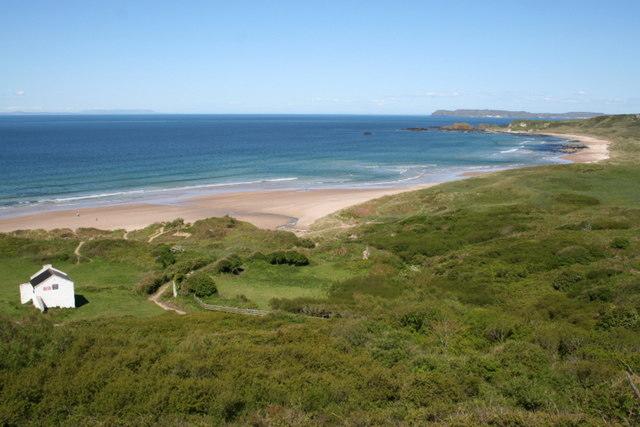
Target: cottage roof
(45, 274)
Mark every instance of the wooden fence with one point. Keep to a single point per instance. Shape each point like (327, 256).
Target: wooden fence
(226, 309)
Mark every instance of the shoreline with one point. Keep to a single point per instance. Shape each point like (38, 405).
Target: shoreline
(273, 209)
(270, 209)
(595, 149)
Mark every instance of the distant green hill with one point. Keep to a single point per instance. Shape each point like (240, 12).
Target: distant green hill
(514, 114)
(511, 298)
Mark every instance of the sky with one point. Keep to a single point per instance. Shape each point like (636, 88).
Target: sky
(343, 57)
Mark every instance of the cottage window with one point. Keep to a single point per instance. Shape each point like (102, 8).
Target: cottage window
(54, 287)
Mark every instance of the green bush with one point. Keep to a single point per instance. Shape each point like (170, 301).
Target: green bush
(176, 223)
(602, 273)
(150, 282)
(200, 284)
(164, 256)
(499, 332)
(231, 264)
(620, 243)
(288, 257)
(624, 317)
(600, 293)
(185, 267)
(566, 279)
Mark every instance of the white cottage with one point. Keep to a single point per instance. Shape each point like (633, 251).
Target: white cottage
(49, 287)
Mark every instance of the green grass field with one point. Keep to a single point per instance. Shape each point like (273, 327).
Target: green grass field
(105, 289)
(506, 299)
(261, 282)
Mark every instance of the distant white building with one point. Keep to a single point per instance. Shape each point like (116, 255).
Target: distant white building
(49, 287)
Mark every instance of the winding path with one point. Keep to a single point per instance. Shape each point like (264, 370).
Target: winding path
(155, 298)
(77, 252)
(158, 233)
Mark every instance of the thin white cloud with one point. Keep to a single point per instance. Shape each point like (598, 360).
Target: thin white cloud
(19, 93)
(15, 108)
(445, 94)
(328, 100)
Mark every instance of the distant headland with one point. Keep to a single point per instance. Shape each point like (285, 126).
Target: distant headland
(515, 114)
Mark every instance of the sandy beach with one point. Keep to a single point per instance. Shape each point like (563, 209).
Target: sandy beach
(596, 149)
(296, 209)
(293, 209)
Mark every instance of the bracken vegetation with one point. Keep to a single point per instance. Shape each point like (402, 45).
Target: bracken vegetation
(507, 299)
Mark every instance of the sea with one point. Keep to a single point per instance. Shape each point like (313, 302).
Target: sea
(73, 161)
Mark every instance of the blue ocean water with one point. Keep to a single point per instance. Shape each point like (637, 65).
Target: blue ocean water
(67, 161)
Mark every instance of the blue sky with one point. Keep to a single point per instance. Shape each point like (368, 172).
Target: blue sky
(362, 57)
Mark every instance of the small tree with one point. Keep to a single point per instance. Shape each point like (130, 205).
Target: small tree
(200, 284)
(231, 264)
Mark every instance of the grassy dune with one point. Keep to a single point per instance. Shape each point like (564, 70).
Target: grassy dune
(508, 299)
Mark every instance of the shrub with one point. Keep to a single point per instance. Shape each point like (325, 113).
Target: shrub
(176, 223)
(528, 395)
(414, 321)
(306, 243)
(288, 257)
(185, 267)
(199, 284)
(600, 293)
(574, 254)
(624, 317)
(603, 273)
(150, 282)
(569, 344)
(499, 332)
(420, 320)
(566, 279)
(620, 243)
(231, 264)
(229, 221)
(307, 306)
(164, 256)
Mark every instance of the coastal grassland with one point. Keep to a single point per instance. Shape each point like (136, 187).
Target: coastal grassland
(110, 269)
(506, 299)
(104, 278)
(261, 281)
